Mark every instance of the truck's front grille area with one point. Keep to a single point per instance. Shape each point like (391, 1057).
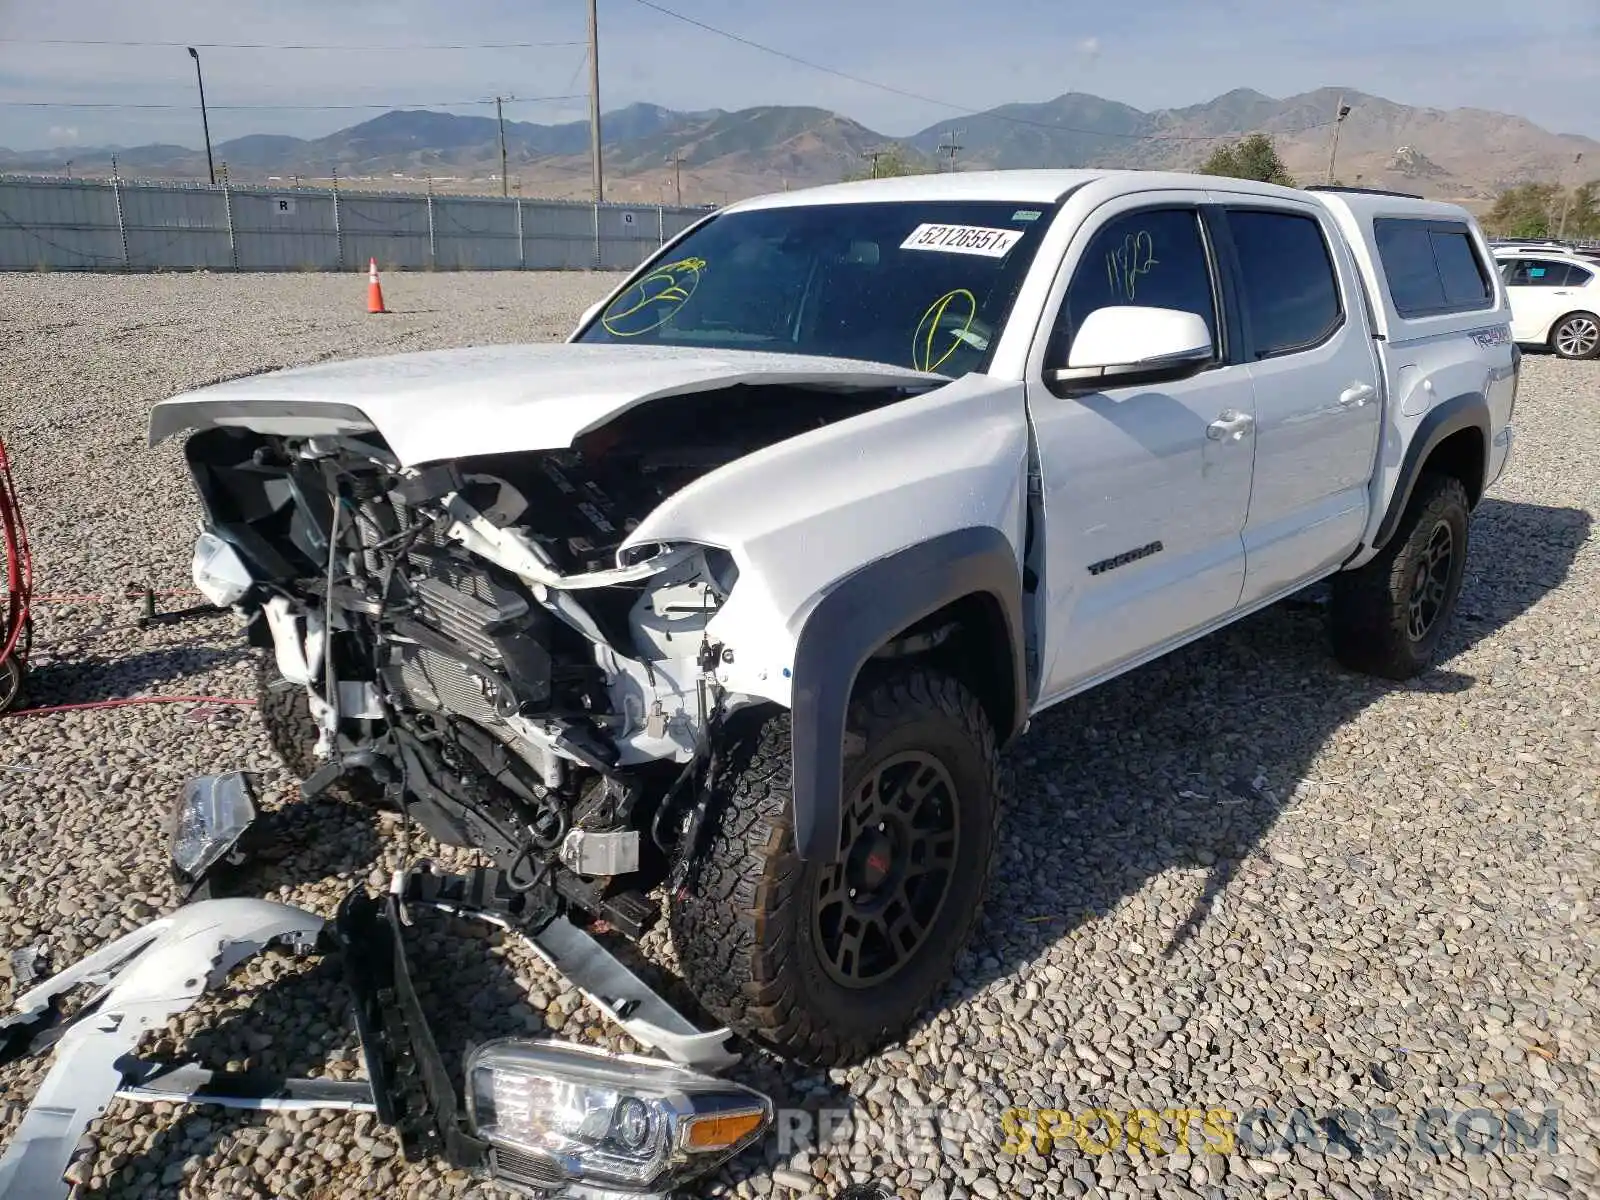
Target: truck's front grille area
(432, 681)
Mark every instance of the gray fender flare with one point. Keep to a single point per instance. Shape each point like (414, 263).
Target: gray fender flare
(1469, 410)
(855, 618)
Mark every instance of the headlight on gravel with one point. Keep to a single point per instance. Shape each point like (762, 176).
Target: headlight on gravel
(213, 813)
(556, 1114)
(219, 573)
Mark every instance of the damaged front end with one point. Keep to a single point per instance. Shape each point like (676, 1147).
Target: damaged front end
(484, 640)
(547, 1118)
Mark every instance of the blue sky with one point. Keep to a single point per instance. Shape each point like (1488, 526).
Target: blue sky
(1538, 58)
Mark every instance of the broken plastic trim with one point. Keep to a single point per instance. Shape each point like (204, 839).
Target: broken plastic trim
(145, 978)
(482, 894)
(412, 1087)
(513, 551)
(148, 976)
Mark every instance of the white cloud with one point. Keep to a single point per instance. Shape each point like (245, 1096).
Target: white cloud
(1089, 47)
(62, 135)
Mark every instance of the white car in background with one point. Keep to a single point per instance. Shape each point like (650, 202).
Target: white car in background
(1555, 299)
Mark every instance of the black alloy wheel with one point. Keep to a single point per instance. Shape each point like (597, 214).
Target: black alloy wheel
(1430, 583)
(873, 909)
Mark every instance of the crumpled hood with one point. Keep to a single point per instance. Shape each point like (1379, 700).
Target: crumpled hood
(443, 404)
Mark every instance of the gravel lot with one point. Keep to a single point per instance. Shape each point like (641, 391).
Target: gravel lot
(1283, 887)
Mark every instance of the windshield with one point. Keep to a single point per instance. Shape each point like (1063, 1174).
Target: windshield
(925, 285)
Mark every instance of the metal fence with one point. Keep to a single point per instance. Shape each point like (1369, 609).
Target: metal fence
(115, 225)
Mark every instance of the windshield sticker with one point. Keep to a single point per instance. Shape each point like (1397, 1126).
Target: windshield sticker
(1536, 272)
(1026, 214)
(963, 239)
(654, 300)
(944, 328)
(1124, 265)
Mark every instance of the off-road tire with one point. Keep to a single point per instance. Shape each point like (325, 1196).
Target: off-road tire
(1370, 612)
(286, 714)
(743, 921)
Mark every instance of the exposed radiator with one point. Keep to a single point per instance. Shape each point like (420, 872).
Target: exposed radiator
(432, 681)
(452, 597)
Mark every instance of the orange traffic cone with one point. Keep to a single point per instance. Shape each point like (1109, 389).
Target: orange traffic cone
(374, 290)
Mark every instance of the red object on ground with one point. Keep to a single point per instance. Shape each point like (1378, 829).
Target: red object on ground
(374, 289)
(19, 586)
(127, 701)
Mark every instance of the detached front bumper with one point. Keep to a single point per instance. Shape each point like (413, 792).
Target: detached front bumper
(549, 1118)
(143, 979)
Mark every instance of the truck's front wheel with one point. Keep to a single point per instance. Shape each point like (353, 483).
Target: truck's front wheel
(285, 713)
(824, 962)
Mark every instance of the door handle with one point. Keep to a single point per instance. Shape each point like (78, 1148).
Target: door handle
(1230, 426)
(1357, 395)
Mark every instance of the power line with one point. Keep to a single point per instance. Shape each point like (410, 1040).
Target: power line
(961, 108)
(283, 107)
(583, 62)
(282, 45)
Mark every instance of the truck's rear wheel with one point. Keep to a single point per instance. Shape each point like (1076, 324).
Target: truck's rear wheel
(1389, 615)
(824, 962)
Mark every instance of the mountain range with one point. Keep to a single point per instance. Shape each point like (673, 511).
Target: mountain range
(1463, 154)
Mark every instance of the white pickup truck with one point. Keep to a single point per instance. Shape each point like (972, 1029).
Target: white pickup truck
(735, 598)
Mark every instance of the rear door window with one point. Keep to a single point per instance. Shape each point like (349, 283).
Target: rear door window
(1466, 283)
(1291, 292)
(1432, 267)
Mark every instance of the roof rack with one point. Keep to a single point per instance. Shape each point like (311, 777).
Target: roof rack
(1359, 191)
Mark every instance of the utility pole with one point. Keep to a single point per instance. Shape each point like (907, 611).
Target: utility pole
(1566, 204)
(205, 123)
(1339, 114)
(677, 175)
(500, 116)
(950, 148)
(594, 102)
(873, 156)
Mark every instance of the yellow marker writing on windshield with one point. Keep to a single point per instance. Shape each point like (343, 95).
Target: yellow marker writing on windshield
(923, 342)
(652, 301)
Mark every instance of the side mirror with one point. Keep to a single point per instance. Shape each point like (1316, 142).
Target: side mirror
(1128, 344)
